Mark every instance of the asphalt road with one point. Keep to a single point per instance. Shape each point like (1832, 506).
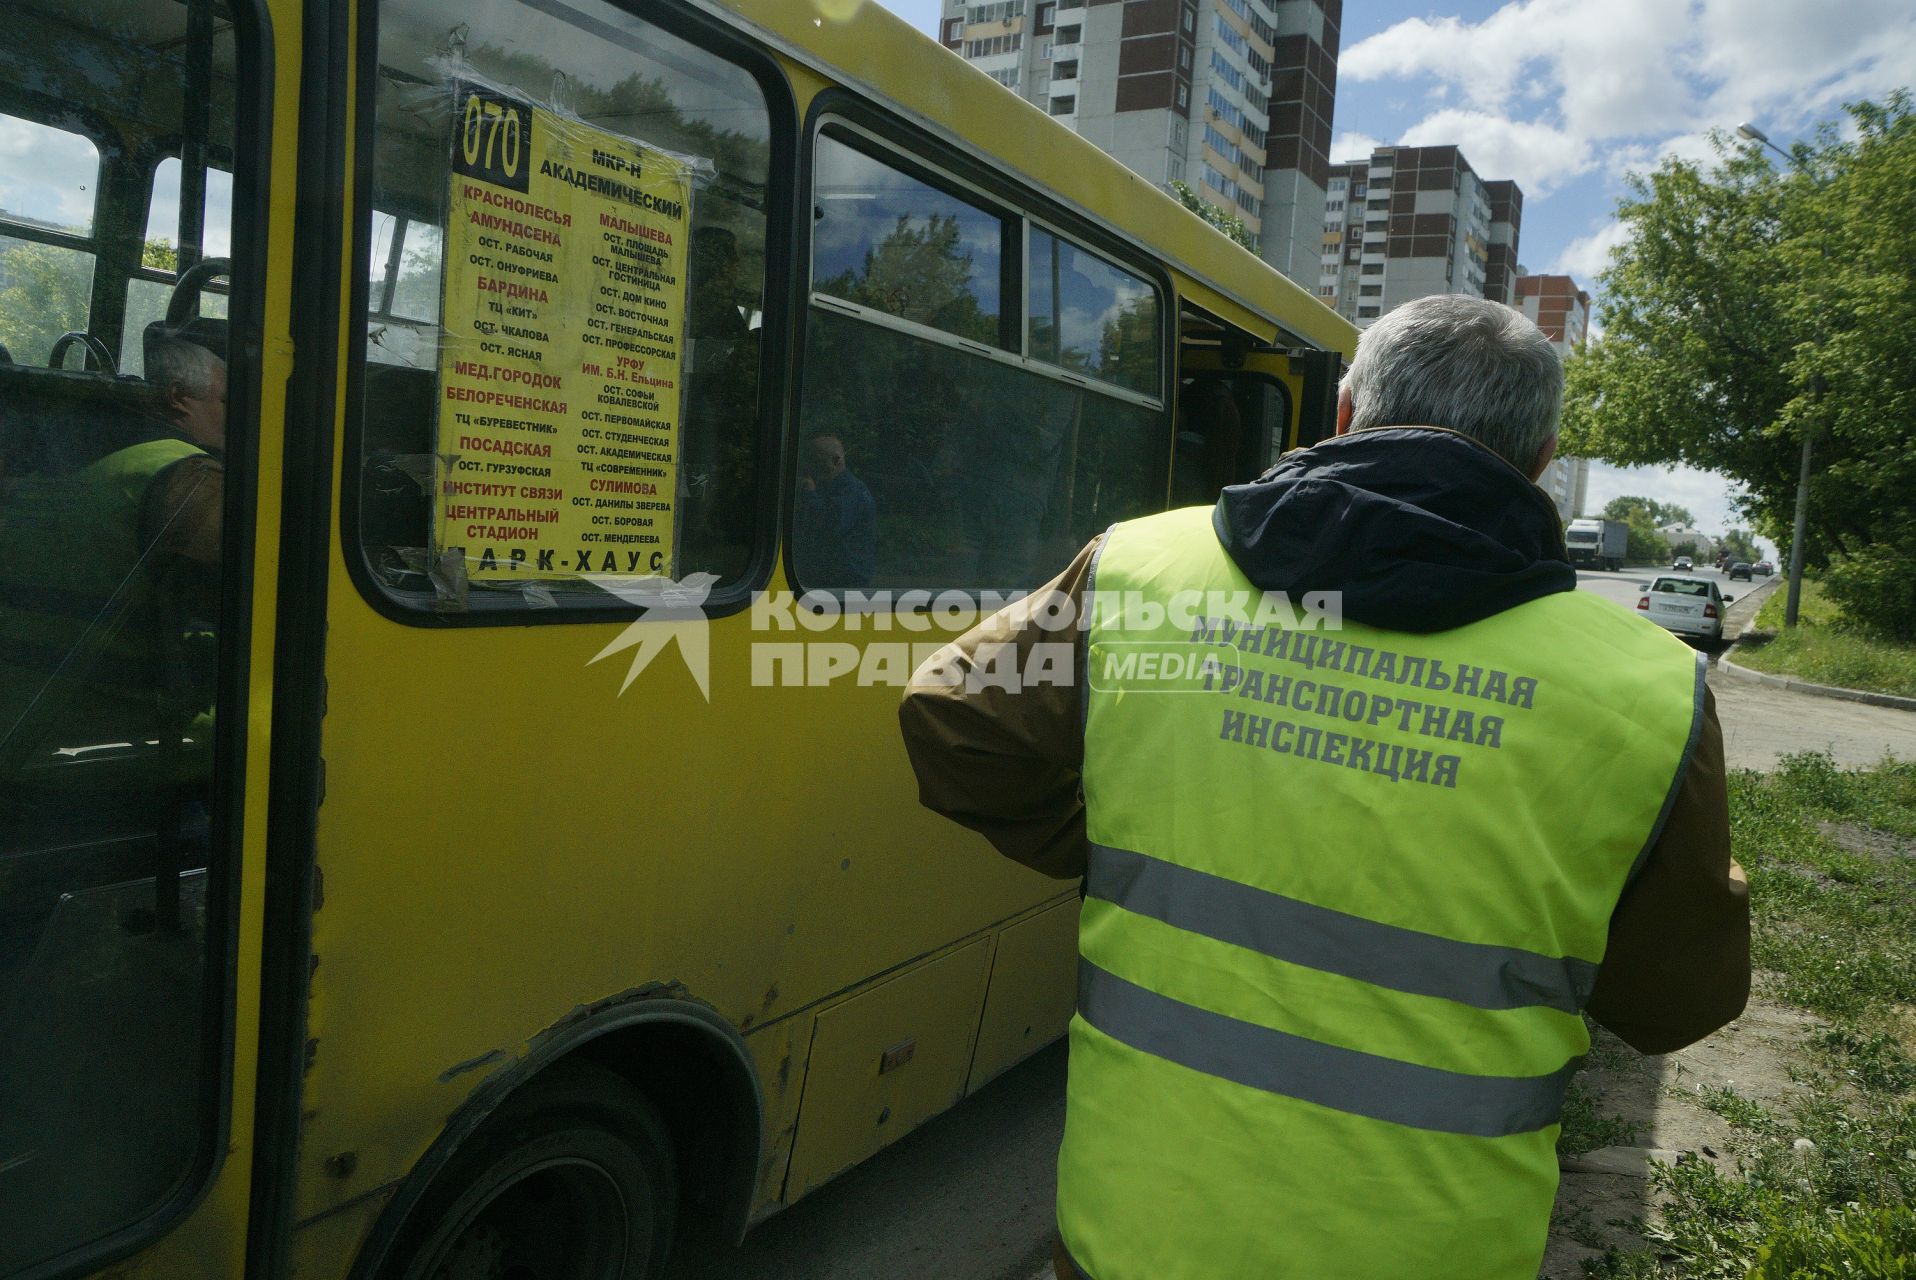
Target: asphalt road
(966, 1197)
(1623, 589)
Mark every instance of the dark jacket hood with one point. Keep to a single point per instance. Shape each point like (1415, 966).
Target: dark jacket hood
(1421, 529)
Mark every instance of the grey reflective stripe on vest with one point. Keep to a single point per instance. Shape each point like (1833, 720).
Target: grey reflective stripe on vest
(1331, 1076)
(1302, 933)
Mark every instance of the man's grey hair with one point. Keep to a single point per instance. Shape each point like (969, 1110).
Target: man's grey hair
(1474, 366)
(175, 360)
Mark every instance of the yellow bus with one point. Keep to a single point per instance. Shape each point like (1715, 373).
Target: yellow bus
(473, 481)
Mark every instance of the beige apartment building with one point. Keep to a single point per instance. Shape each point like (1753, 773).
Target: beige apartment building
(1232, 97)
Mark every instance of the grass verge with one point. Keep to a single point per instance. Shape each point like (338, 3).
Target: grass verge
(1826, 1190)
(1819, 649)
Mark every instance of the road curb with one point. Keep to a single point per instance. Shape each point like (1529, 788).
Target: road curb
(1891, 700)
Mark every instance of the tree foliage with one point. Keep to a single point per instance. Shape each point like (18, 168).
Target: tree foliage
(43, 294)
(1645, 516)
(1657, 514)
(1230, 224)
(1738, 544)
(1749, 309)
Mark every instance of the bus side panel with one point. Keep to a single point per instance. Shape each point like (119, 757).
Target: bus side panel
(869, 1083)
(1034, 991)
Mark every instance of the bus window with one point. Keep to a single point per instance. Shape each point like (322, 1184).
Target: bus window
(114, 600)
(927, 460)
(902, 247)
(631, 83)
(147, 292)
(48, 180)
(1091, 317)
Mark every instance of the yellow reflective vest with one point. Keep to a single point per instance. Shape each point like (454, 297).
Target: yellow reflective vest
(1348, 892)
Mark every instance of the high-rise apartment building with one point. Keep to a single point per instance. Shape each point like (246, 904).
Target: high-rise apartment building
(1413, 221)
(1562, 310)
(1233, 97)
(1298, 153)
(1557, 306)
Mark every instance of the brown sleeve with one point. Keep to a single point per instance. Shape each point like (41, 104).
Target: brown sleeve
(1005, 762)
(1678, 963)
(181, 515)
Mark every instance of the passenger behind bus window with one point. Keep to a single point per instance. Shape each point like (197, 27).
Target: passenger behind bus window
(109, 604)
(714, 300)
(835, 528)
(721, 407)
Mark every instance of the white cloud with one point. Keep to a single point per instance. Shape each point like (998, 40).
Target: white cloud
(1555, 88)
(1541, 158)
(1585, 256)
(1348, 146)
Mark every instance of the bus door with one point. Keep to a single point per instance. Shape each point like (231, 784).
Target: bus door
(125, 456)
(1240, 410)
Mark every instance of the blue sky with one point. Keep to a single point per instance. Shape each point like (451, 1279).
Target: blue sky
(1568, 96)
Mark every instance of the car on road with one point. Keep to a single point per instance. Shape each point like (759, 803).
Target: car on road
(1763, 567)
(1683, 562)
(1741, 569)
(1687, 606)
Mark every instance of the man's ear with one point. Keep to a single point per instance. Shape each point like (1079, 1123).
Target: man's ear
(174, 397)
(1544, 455)
(1344, 411)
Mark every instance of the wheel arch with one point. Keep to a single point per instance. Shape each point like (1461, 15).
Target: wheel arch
(657, 1040)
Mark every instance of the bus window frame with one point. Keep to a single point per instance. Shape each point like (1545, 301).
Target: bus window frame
(162, 150)
(256, 73)
(951, 165)
(507, 609)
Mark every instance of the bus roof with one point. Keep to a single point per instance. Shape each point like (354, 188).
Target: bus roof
(865, 47)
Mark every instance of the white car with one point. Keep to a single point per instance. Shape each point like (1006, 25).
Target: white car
(1687, 606)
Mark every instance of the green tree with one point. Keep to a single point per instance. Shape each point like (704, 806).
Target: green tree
(1737, 544)
(1645, 516)
(160, 255)
(1749, 308)
(1656, 514)
(1228, 223)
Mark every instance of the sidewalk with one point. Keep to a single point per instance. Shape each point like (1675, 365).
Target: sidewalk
(1762, 723)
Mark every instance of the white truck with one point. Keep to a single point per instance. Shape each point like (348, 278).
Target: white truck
(1600, 544)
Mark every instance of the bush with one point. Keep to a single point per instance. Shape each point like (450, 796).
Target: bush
(1877, 588)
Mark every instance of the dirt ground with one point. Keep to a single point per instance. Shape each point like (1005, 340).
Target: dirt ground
(1605, 1194)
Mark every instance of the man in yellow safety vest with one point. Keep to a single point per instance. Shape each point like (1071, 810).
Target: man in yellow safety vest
(1371, 806)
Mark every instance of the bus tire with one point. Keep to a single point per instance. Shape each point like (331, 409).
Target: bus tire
(573, 1179)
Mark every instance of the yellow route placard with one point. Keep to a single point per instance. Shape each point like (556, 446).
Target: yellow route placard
(563, 328)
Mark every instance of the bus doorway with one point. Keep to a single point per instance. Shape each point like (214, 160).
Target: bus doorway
(1243, 406)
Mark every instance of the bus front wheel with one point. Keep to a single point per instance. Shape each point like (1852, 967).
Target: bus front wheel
(571, 1181)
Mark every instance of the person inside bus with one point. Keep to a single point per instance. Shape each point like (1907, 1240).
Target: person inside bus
(835, 529)
(713, 304)
(118, 544)
(721, 403)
